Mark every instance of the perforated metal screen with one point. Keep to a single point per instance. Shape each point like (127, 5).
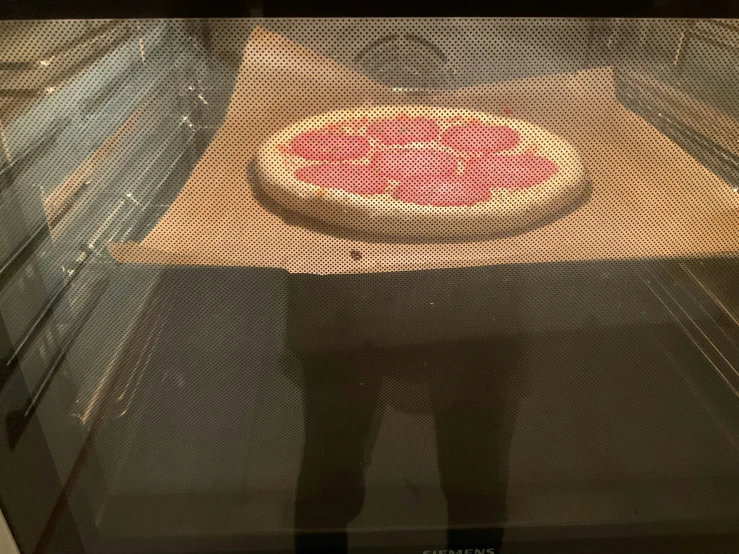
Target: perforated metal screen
(403, 285)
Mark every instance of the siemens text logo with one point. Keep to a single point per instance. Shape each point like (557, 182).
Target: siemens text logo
(464, 551)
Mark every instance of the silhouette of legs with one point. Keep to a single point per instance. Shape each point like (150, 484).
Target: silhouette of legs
(474, 411)
(339, 401)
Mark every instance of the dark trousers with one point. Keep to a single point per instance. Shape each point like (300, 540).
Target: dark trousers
(474, 412)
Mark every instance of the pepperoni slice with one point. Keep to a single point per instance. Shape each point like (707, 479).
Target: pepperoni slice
(441, 191)
(399, 163)
(480, 139)
(517, 171)
(403, 130)
(359, 179)
(329, 147)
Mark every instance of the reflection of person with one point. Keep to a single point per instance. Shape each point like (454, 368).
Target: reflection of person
(473, 409)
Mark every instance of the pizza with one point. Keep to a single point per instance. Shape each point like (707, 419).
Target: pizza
(421, 171)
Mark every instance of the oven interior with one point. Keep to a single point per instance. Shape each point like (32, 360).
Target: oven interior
(154, 407)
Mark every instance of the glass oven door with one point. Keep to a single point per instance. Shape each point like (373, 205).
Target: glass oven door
(450, 285)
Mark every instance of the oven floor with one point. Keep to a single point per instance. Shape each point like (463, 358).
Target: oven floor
(613, 429)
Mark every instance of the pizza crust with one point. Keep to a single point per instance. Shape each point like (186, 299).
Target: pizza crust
(507, 210)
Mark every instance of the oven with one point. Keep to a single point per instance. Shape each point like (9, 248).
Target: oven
(190, 365)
